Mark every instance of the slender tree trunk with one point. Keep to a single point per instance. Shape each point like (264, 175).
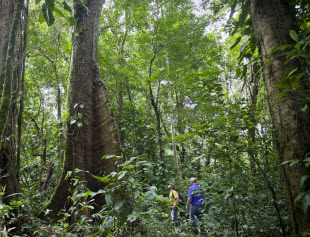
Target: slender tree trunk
(91, 129)
(133, 117)
(22, 90)
(252, 115)
(158, 124)
(272, 23)
(120, 83)
(175, 155)
(154, 101)
(181, 128)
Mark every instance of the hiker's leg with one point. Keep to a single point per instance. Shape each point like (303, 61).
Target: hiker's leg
(176, 222)
(199, 216)
(192, 212)
(174, 216)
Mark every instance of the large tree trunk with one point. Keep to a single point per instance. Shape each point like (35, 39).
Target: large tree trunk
(8, 106)
(91, 129)
(8, 30)
(272, 23)
(6, 17)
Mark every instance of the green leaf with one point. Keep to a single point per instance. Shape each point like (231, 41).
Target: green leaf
(71, 21)
(137, 193)
(244, 71)
(304, 110)
(110, 222)
(292, 71)
(294, 35)
(306, 203)
(122, 175)
(80, 115)
(232, 4)
(283, 93)
(109, 199)
(118, 204)
(128, 167)
(288, 161)
(294, 162)
(102, 179)
(282, 47)
(50, 4)
(67, 7)
(300, 75)
(303, 179)
(112, 157)
(307, 159)
(132, 217)
(37, 1)
(48, 14)
(227, 196)
(16, 203)
(108, 156)
(59, 13)
(236, 42)
(41, 18)
(243, 47)
(86, 194)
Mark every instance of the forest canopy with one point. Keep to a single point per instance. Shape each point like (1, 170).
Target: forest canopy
(108, 107)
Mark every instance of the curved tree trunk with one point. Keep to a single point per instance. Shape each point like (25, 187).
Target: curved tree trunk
(91, 129)
(272, 23)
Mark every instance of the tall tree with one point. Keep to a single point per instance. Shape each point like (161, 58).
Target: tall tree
(91, 129)
(272, 22)
(8, 164)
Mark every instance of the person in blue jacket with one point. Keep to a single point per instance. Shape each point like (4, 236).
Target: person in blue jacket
(195, 198)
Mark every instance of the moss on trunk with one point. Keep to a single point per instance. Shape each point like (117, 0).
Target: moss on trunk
(91, 129)
(272, 23)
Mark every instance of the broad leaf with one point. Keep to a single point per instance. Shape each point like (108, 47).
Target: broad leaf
(294, 35)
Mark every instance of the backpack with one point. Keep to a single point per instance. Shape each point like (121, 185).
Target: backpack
(181, 199)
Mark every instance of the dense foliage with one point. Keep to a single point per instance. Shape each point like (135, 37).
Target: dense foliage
(176, 80)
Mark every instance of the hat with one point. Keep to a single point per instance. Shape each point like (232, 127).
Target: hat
(192, 180)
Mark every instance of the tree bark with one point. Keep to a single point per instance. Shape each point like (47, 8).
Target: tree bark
(8, 165)
(133, 118)
(155, 106)
(22, 89)
(252, 115)
(6, 18)
(272, 23)
(175, 155)
(91, 129)
(181, 127)
(120, 82)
